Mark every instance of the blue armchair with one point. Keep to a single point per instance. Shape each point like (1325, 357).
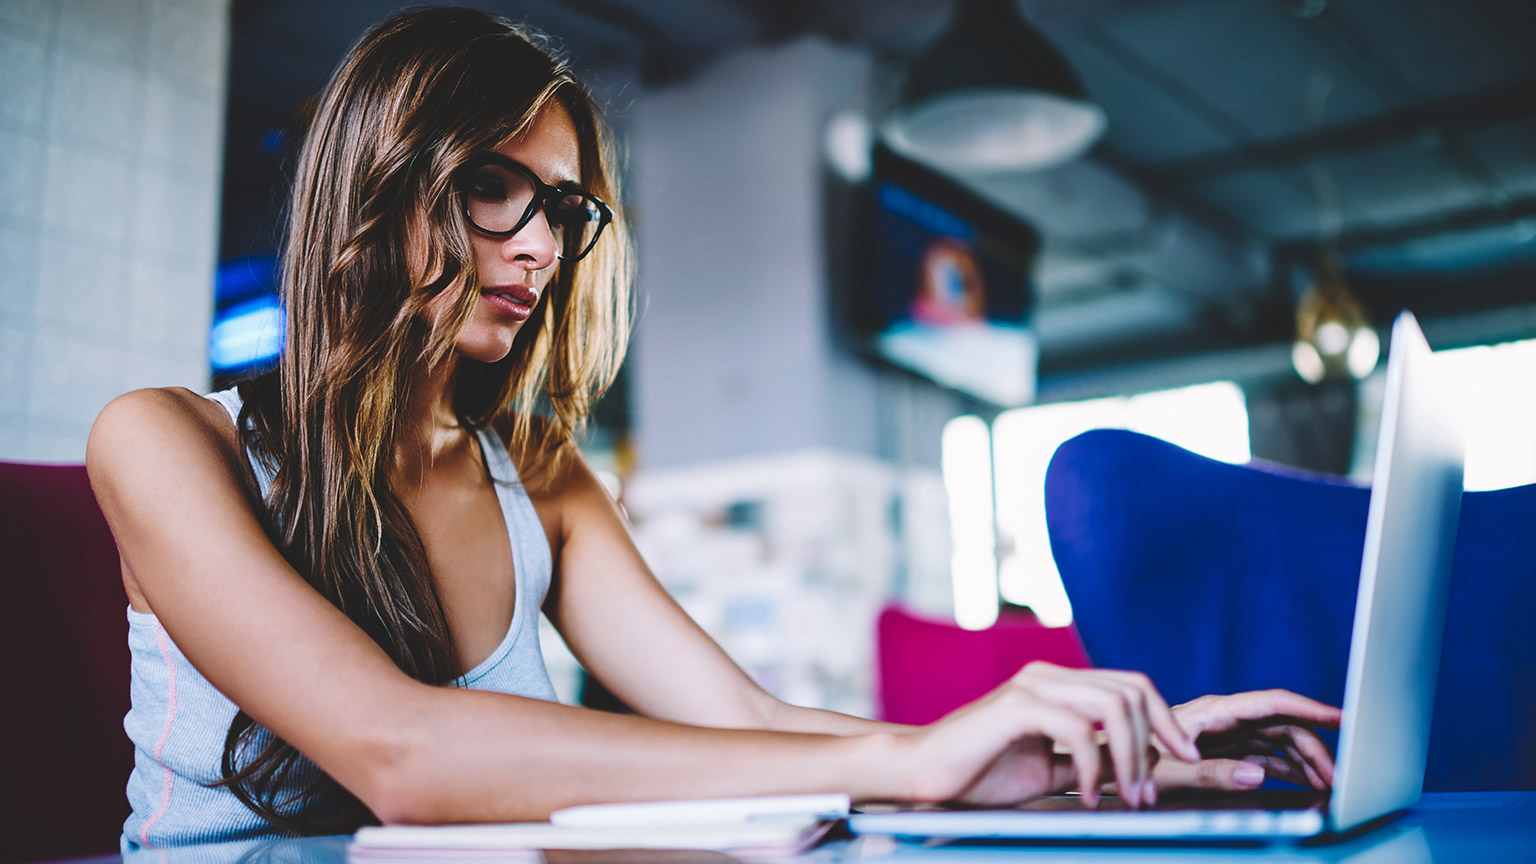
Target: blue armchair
(1216, 578)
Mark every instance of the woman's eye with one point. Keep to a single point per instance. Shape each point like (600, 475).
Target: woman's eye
(488, 190)
(570, 213)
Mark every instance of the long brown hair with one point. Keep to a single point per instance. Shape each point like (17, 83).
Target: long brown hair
(420, 94)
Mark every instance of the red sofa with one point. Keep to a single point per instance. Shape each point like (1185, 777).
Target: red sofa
(64, 759)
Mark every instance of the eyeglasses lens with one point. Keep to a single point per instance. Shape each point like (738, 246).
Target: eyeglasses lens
(575, 219)
(497, 198)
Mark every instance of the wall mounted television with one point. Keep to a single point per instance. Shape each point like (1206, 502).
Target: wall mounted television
(949, 286)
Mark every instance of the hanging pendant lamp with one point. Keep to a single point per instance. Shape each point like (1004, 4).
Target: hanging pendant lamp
(1333, 336)
(992, 94)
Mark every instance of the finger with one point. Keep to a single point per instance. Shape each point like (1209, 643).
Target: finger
(1064, 774)
(1131, 755)
(1066, 727)
(1136, 703)
(1191, 715)
(1303, 747)
(1281, 759)
(1107, 776)
(1294, 756)
(1104, 702)
(1159, 717)
(1100, 698)
(1149, 704)
(1284, 703)
(1233, 774)
(1224, 774)
(1134, 700)
(1218, 714)
(1276, 753)
(1315, 751)
(1279, 768)
(1265, 704)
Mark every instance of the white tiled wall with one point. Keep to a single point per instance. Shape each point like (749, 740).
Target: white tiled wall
(792, 590)
(111, 143)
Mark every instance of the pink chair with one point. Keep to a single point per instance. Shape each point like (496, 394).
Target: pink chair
(64, 759)
(929, 667)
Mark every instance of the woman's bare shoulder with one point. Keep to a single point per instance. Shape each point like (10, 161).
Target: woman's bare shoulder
(157, 423)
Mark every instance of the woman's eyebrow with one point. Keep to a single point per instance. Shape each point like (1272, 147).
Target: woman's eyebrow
(560, 181)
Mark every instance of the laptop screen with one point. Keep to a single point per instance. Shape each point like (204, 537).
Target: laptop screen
(1410, 538)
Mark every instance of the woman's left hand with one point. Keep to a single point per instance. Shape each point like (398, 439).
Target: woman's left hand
(1246, 737)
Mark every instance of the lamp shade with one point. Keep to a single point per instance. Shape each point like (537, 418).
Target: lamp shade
(992, 93)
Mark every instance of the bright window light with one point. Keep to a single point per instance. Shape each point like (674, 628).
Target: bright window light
(1209, 419)
(1488, 387)
(967, 463)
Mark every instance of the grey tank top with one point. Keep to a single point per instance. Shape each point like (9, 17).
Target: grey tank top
(178, 720)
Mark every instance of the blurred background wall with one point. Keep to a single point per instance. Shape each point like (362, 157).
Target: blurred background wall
(111, 142)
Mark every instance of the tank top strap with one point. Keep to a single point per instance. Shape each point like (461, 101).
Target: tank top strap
(497, 460)
(230, 401)
(529, 543)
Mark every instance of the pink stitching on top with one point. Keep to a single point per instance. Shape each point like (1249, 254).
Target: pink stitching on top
(164, 643)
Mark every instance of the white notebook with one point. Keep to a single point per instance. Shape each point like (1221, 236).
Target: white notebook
(765, 825)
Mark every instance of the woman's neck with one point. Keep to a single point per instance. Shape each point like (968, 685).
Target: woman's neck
(431, 429)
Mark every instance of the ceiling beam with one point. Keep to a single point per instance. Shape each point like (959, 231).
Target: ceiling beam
(1164, 193)
(1377, 236)
(1332, 31)
(1415, 123)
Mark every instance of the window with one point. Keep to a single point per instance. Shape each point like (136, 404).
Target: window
(1490, 390)
(1005, 551)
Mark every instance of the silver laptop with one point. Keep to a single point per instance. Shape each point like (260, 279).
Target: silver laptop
(1394, 660)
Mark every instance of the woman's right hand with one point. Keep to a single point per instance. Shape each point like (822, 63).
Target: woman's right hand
(1043, 727)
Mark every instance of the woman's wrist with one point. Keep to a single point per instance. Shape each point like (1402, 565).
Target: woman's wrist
(794, 718)
(878, 766)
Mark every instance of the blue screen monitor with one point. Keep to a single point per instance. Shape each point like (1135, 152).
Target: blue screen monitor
(951, 285)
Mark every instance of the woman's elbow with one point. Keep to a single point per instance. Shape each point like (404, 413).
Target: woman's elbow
(393, 800)
(387, 773)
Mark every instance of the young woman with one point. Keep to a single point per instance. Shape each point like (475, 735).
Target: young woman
(335, 571)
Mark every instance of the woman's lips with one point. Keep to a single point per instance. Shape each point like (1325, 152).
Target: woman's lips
(512, 301)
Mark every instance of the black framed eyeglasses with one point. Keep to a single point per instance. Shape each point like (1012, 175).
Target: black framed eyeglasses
(501, 195)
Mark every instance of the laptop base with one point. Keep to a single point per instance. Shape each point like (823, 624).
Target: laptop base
(1249, 817)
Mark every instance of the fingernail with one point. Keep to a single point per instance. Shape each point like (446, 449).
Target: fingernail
(1248, 774)
(1151, 793)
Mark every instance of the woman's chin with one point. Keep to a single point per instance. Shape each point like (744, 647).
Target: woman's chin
(484, 348)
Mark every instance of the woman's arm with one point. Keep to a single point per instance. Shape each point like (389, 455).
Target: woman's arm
(165, 467)
(627, 630)
(166, 475)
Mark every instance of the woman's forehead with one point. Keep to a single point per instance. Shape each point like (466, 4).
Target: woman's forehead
(548, 146)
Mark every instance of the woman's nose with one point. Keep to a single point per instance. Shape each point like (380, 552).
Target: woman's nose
(534, 245)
